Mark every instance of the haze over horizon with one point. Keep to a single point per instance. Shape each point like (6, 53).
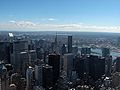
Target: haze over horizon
(62, 15)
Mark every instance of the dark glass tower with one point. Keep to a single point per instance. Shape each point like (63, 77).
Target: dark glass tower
(69, 44)
(105, 52)
(47, 79)
(54, 61)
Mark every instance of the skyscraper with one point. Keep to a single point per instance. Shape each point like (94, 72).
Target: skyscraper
(105, 52)
(18, 46)
(69, 44)
(5, 52)
(108, 65)
(68, 64)
(24, 58)
(96, 67)
(47, 78)
(85, 51)
(63, 49)
(38, 73)
(32, 57)
(54, 61)
(79, 66)
(3, 77)
(118, 64)
(29, 77)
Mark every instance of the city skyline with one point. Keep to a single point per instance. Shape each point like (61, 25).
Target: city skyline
(63, 15)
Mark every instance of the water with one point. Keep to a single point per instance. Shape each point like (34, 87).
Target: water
(99, 52)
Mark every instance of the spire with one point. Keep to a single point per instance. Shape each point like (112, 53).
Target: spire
(56, 39)
(56, 44)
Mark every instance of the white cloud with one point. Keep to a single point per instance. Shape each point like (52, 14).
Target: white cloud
(23, 25)
(51, 19)
(48, 19)
(12, 21)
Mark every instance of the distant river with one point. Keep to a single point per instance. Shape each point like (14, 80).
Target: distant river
(112, 53)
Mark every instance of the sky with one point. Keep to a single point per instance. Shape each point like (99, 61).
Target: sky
(60, 15)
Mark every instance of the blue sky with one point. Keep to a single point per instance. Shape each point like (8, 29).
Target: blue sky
(80, 15)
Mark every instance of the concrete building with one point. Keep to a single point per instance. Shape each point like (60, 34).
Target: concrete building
(38, 74)
(29, 77)
(105, 52)
(18, 46)
(24, 57)
(68, 64)
(85, 51)
(32, 57)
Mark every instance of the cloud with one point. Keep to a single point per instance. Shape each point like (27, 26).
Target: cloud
(12, 21)
(51, 19)
(28, 25)
(48, 19)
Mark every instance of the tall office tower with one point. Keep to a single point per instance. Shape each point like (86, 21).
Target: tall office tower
(69, 44)
(24, 57)
(118, 41)
(92, 66)
(86, 51)
(38, 73)
(96, 67)
(75, 50)
(101, 67)
(54, 61)
(80, 66)
(3, 77)
(5, 52)
(47, 78)
(39, 53)
(18, 46)
(29, 77)
(12, 87)
(32, 57)
(64, 49)
(108, 65)
(118, 64)
(105, 52)
(68, 64)
(11, 37)
(46, 53)
(56, 43)
(31, 45)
